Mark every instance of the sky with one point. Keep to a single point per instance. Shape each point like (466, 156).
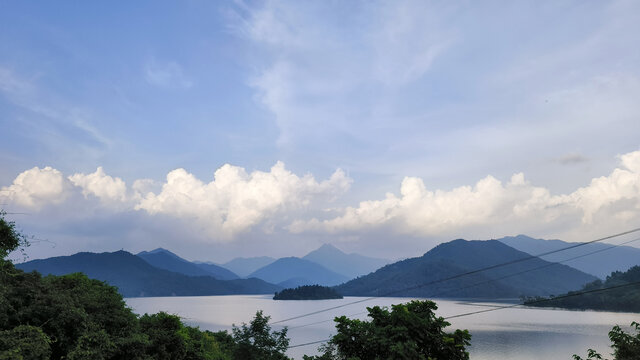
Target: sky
(248, 128)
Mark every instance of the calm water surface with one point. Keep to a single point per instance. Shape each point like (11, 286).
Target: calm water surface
(515, 334)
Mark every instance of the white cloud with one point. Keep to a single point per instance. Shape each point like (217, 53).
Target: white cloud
(36, 187)
(490, 203)
(236, 201)
(108, 189)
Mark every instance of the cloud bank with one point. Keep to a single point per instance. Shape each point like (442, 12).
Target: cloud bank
(235, 202)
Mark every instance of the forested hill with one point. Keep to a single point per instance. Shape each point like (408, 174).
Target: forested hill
(461, 256)
(621, 299)
(135, 277)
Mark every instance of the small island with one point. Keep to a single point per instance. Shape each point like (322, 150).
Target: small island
(308, 292)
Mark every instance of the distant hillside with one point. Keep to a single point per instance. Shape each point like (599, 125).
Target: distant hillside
(165, 259)
(245, 266)
(349, 265)
(460, 256)
(600, 264)
(135, 277)
(622, 299)
(303, 271)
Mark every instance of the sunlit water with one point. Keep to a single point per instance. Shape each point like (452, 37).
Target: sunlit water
(515, 334)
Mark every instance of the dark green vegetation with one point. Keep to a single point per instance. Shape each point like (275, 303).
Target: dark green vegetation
(308, 292)
(133, 276)
(349, 265)
(610, 258)
(306, 273)
(408, 277)
(623, 299)
(165, 259)
(625, 346)
(408, 331)
(74, 317)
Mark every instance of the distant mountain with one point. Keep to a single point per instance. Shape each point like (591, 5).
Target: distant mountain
(302, 272)
(408, 277)
(600, 264)
(245, 266)
(133, 276)
(165, 259)
(349, 265)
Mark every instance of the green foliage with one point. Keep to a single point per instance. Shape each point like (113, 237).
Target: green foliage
(408, 331)
(24, 342)
(625, 346)
(307, 292)
(622, 299)
(10, 238)
(256, 341)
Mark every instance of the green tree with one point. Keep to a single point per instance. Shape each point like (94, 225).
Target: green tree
(24, 342)
(625, 346)
(256, 341)
(10, 238)
(408, 331)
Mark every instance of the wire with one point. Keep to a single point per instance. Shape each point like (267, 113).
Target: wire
(508, 306)
(489, 281)
(526, 258)
(579, 293)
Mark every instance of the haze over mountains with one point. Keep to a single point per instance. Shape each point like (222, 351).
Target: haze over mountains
(293, 271)
(350, 265)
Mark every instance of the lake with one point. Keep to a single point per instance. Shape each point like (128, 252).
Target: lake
(516, 333)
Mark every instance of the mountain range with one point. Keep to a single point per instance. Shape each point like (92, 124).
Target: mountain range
(422, 276)
(293, 272)
(134, 277)
(610, 258)
(162, 273)
(165, 259)
(349, 265)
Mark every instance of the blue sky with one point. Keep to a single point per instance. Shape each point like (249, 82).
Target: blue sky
(356, 123)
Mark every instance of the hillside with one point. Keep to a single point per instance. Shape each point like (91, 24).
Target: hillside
(245, 266)
(165, 259)
(625, 299)
(459, 256)
(618, 258)
(349, 265)
(135, 277)
(303, 271)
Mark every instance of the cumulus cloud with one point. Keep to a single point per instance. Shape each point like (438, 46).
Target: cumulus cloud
(235, 201)
(419, 211)
(101, 185)
(37, 187)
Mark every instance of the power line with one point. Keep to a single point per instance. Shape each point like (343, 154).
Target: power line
(490, 281)
(526, 258)
(579, 293)
(508, 307)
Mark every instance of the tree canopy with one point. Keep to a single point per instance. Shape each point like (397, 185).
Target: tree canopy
(408, 331)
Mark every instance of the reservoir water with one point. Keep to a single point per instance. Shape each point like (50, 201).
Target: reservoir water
(515, 333)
